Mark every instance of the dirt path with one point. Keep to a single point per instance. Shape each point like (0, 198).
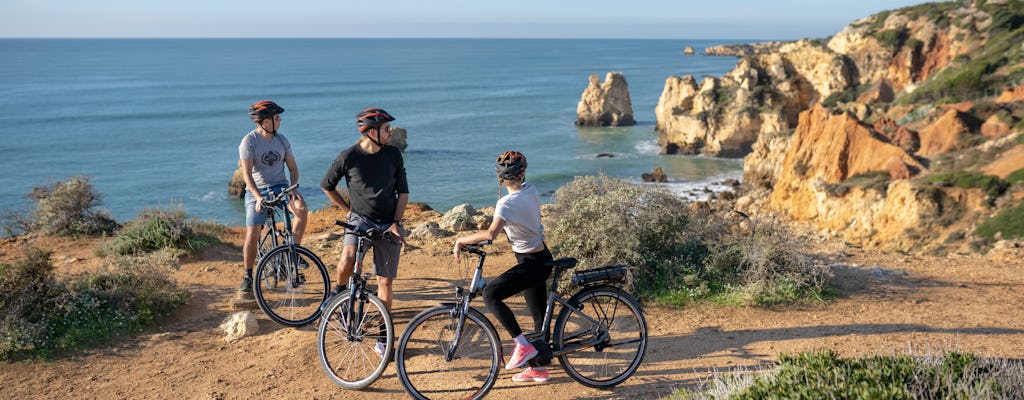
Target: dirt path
(889, 303)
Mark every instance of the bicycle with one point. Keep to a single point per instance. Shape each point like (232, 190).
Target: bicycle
(354, 321)
(445, 350)
(282, 284)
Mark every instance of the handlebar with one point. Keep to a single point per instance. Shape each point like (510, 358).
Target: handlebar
(279, 198)
(476, 248)
(371, 233)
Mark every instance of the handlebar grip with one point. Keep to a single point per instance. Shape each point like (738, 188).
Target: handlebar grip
(290, 188)
(484, 243)
(346, 226)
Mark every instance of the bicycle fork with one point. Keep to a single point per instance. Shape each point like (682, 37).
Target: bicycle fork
(462, 309)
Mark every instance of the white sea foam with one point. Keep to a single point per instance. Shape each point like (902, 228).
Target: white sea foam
(648, 147)
(698, 190)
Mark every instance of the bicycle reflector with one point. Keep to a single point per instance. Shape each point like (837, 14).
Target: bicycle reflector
(599, 275)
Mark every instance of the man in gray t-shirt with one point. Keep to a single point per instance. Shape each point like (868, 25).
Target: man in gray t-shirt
(263, 155)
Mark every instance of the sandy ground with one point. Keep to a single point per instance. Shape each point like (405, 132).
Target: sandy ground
(889, 303)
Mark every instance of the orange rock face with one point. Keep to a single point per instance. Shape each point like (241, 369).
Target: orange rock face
(830, 148)
(994, 127)
(834, 147)
(945, 134)
(1011, 95)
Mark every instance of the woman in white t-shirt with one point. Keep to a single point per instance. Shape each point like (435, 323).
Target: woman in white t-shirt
(518, 214)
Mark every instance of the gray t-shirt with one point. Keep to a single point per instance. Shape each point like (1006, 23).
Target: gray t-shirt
(267, 158)
(521, 212)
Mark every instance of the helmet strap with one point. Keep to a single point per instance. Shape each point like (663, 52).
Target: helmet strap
(273, 132)
(367, 134)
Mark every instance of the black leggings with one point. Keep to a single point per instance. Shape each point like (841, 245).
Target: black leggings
(529, 277)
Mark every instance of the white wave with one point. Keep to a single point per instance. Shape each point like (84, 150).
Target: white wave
(698, 190)
(648, 147)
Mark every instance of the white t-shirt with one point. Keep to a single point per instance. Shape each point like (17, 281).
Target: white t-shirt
(521, 212)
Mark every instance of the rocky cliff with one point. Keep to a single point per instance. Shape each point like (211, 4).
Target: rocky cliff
(901, 132)
(606, 104)
(873, 60)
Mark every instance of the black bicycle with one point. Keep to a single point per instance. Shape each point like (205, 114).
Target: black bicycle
(453, 351)
(354, 322)
(290, 282)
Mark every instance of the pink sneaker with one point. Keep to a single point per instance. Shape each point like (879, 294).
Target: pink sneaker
(530, 374)
(521, 355)
(379, 349)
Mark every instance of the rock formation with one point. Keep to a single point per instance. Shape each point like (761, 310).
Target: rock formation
(657, 175)
(399, 137)
(688, 50)
(741, 49)
(606, 104)
(236, 186)
(764, 94)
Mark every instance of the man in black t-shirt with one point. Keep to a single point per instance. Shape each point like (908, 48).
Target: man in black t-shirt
(378, 191)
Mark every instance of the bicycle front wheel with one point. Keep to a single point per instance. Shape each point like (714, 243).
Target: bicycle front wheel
(289, 284)
(346, 340)
(422, 361)
(606, 336)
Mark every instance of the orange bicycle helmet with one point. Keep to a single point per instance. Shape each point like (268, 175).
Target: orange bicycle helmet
(264, 109)
(372, 118)
(510, 165)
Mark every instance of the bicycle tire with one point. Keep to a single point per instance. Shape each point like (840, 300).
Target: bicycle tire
(290, 296)
(420, 357)
(614, 358)
(351, 363)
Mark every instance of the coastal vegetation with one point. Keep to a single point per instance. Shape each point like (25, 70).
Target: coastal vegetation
(682, 253)
(45, 315)
(1008, 224)
(991, 185)
(823, 374)
(63, 208)
(157, 229)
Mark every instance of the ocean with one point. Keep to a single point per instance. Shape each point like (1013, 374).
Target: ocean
(156, 123)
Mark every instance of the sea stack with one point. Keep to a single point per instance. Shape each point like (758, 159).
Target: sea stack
(606, 104)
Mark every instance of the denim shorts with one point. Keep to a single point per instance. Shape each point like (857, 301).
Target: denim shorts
(258, 218)
(386, 252)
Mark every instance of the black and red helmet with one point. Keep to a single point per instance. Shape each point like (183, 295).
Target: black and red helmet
(511, 165)
(264, 109)
(372, 118)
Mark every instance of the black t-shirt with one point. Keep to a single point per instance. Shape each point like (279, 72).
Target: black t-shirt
(374, 180)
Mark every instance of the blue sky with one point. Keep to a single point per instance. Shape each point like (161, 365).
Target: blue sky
(679, 19)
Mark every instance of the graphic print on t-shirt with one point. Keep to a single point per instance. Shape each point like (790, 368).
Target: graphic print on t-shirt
(270, 158)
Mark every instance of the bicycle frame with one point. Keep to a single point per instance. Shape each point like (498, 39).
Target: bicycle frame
(476, 287)
(357, 281)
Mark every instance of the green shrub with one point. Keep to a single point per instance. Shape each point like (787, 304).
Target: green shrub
(63, 209)
(1009, 224)
(723, 95)
(872, 180)
(44, 316)
(992, 185)
(602, 220)
(677, 255)
(823, 375)
(1015, 176)
(892, 38)
(156, 229)
(28, 295)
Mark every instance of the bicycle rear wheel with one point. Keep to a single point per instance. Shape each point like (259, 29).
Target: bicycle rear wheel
(290, 285)
(422, 368)
(611, 342)
(346, 347)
